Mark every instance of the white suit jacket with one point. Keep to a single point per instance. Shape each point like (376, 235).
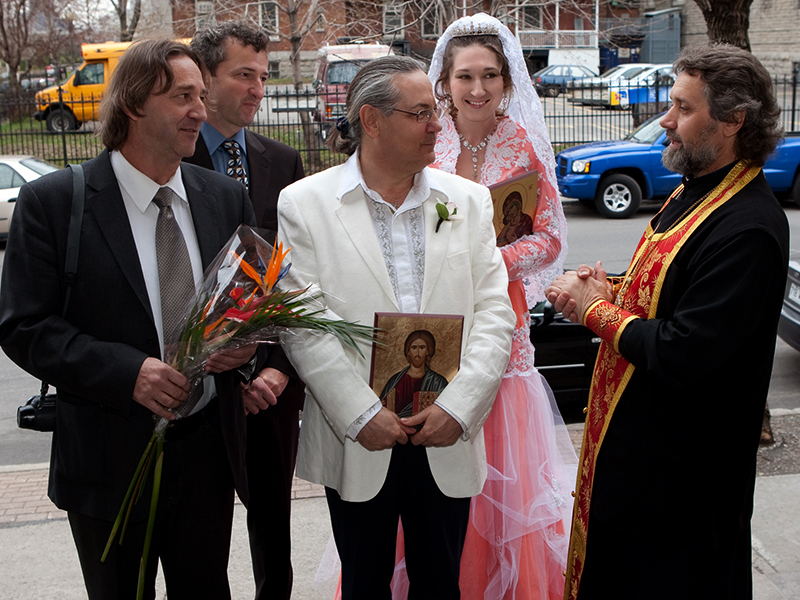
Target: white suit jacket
(335, 250)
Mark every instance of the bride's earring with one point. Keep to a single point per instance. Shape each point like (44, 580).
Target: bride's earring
(504, 103)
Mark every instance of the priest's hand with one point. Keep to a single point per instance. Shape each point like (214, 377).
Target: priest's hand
(439, 429)
(383, 431)
(574, 292)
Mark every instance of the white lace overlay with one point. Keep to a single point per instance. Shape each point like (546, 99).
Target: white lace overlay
(522, 351)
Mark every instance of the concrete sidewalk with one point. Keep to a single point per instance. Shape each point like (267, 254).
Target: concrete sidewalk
(38, 559)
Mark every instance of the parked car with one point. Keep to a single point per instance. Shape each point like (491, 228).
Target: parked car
(565, 356)
(595, 90)
(14, 172)
(614, 176)
(789, 324)
(552, 81)
(647, 93)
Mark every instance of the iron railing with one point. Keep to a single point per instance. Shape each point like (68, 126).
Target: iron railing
(578, 115)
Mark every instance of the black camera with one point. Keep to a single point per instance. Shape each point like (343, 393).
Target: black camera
(39, 413)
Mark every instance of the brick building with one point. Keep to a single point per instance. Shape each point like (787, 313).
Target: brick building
(549, 33)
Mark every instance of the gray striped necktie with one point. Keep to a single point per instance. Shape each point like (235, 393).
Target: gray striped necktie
(175, 279)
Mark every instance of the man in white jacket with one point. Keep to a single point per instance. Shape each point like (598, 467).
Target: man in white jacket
(367, 236)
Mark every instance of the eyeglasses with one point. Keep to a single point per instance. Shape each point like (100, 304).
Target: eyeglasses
(423, 116)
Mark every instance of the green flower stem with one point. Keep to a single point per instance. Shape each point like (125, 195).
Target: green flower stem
(151, 520)
(128, 495)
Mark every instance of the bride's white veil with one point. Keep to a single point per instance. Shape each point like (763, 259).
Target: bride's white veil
(526, 109)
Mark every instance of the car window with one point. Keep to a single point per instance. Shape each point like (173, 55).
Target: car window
(91, 74)
(342, 72)
(584, 72)
(9, 178)
(632, 72)
(648, 132)
(557, 72)
(613, 72)
(38, 166)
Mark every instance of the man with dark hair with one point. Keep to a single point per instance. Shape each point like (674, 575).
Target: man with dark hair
(235, 55)
(366, 236)
(667, 471)
(150, 227)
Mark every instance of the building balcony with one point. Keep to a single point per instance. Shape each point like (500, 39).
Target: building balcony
(531, 39)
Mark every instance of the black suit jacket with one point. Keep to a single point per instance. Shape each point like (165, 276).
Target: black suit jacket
(94, 354)
(272, 166)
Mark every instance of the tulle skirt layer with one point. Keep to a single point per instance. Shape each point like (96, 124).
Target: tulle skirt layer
(518, 536)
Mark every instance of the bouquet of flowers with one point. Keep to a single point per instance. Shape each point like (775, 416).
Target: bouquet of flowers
(239, 303)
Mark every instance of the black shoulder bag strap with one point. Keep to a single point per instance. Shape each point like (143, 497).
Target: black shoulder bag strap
(73, 240)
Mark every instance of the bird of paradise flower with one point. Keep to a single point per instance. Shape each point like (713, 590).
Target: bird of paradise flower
(239, 303)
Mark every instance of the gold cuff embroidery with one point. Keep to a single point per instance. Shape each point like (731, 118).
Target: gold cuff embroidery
(608, 321)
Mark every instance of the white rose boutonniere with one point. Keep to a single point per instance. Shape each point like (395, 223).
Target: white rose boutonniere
(447, 212)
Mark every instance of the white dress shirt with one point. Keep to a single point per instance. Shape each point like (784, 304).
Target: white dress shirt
(401, 236)
(138, 191)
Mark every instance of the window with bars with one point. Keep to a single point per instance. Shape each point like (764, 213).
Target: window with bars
(530, 17)
(204, 14)
(431, 24)
(393, 16)
(268, 16)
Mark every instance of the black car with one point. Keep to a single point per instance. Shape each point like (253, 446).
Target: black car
(565, 356)
(789, 324)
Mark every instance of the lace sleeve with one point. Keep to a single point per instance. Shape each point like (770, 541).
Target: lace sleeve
(530, 254)
(538, 258)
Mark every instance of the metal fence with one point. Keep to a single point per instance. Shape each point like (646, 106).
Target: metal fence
(578, 116)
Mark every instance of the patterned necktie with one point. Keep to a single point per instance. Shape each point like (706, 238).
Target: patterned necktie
(235, 167)
(175, 280)
(175, 276)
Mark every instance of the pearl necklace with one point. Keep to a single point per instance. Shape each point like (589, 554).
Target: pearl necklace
(475, 149)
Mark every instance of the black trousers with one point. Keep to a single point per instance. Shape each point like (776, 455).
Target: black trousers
(434, 526)
(271, 456)
(192, 534)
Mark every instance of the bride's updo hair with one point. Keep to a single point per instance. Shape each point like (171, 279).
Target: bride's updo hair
(491, 42)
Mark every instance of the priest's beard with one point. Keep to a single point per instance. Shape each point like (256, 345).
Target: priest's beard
(691, 157)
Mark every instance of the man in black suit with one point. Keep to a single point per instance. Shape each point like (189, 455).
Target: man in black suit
(235, 55)
(105, 354)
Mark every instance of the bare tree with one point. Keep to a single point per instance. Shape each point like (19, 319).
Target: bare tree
(55, 35)
(127, 27)
(14, 21)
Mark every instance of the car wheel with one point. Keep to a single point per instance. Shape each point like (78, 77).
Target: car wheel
(618, 197)
(796, 189)
(551, 91)
(61, 120)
